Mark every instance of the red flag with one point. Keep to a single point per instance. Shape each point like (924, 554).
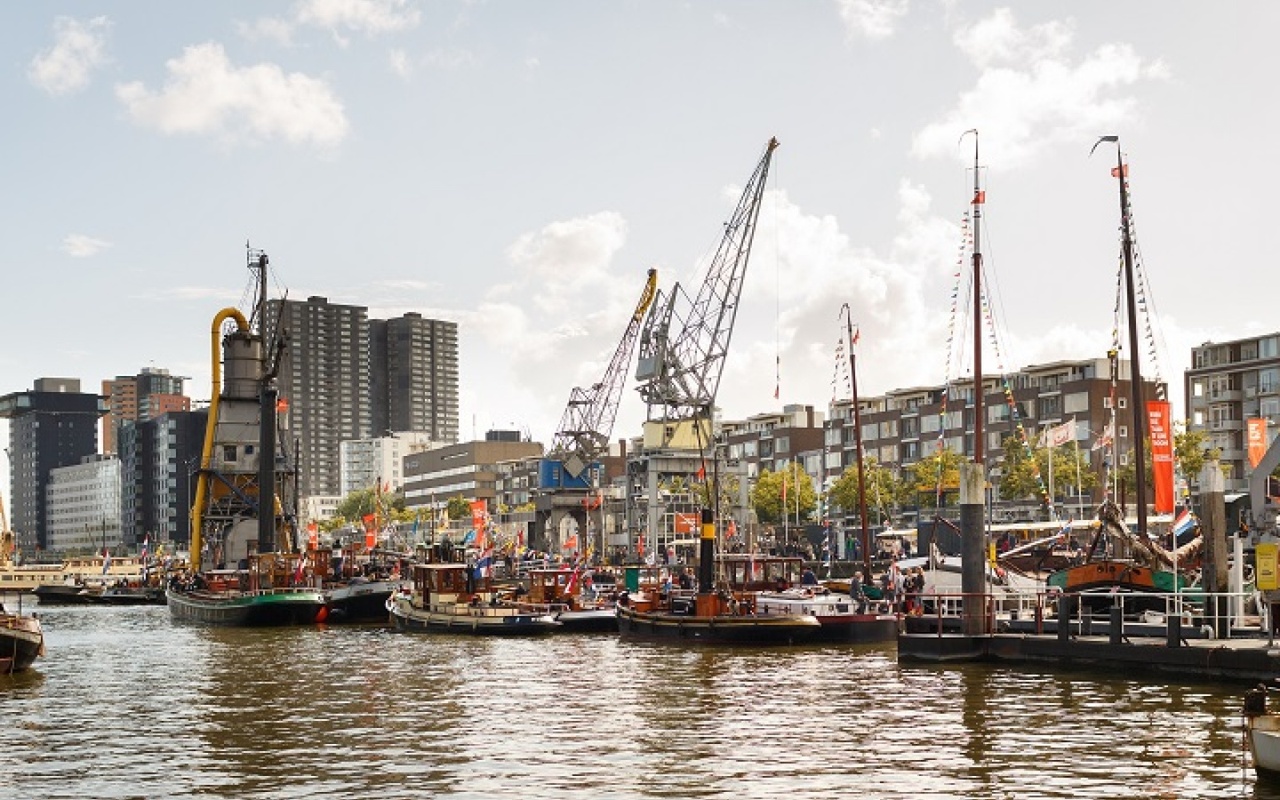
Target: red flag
(282, 405)
(1115, 171)
(979, 197)
(857, 334)
(702, 472)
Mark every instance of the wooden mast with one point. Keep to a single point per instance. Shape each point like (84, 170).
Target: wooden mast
(1138, 408)
(857, 439)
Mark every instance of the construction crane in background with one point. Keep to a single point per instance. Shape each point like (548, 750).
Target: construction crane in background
(684, 342)
(568, 478)
(682, 353)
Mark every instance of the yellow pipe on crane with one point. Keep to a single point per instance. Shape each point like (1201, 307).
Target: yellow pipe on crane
(206, 454)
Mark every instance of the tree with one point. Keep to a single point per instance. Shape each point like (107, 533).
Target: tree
(920, 486)
(883, 489)
(1189, 457)
(1027, 475)
(1190, 452)
(459, 508)
(767, 498)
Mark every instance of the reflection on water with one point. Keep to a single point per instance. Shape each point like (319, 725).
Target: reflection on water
(129, 705)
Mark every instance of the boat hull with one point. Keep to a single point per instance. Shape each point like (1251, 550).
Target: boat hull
(60, 595)
(1264, 745)
(479, 620)
(360, 602)
(593, 620)
(269, 607)
(148, 596)
(1100, 582)
(722, 629)
(836, 614)
(21, 642)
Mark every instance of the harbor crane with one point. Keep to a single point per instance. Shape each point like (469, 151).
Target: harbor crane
(682, 353)
(568, 478)
(684, 342)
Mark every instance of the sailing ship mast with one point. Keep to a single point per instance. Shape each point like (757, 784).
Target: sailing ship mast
(857, 439)
(1135, 367)
(979, 452)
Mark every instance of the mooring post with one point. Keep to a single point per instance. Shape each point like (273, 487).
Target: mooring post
(973, 551)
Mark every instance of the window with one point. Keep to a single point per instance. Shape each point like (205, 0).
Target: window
(1269, 380)
(1197, 390)
(1075, 403)
(1267, 348)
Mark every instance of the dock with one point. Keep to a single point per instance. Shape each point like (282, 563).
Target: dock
(1185, 646)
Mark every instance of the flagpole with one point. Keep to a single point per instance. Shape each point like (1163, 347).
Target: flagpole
(1079, 483)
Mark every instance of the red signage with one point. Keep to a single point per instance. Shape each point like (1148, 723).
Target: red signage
(1161, 454)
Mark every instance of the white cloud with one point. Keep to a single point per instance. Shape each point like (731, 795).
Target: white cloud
(78, 49)
(77, 245)
(206, 94)
(872, 19)
(1030, 96)
(271, 29)
(997, 39)
(370, 17)
(399, 61)
(568, 260)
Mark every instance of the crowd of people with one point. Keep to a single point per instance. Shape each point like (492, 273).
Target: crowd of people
(895, 590)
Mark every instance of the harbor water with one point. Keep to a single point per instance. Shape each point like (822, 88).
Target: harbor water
(128, 704)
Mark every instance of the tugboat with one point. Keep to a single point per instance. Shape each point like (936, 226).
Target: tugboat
(452, 597)
(240, 516)
(711, 614)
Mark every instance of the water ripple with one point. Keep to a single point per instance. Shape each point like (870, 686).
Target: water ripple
(129, 705)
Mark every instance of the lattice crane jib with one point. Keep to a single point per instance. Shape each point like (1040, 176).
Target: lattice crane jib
(684, 343)
(587, 424)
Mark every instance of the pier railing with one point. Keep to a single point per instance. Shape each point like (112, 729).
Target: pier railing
(1177, 616)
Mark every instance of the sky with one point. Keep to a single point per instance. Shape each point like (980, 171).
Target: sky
(518, 167)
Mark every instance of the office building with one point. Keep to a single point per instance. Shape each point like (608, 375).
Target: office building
(53, 425)
(140, 397)
(83, 504)
(414, 376)
(324, 384)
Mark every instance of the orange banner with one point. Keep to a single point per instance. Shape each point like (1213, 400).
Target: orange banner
(1257, 441)
(686, 523)
(1161, 455)
(313, 535)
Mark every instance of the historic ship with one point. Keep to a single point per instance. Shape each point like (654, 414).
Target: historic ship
(244, 566)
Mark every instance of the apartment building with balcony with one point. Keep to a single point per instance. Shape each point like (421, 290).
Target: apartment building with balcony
(1230, 383)
(904, 426)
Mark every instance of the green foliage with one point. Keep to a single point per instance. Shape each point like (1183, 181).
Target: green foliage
(1189, 457)
(459, 508)
(766, 497)
(1026, 475)
(921, 483)
(883, 489)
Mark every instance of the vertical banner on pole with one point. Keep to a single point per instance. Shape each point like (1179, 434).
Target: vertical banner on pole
(1161, 454)
(1257, 441)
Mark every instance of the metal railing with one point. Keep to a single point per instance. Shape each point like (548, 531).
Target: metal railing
(1119, 615)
